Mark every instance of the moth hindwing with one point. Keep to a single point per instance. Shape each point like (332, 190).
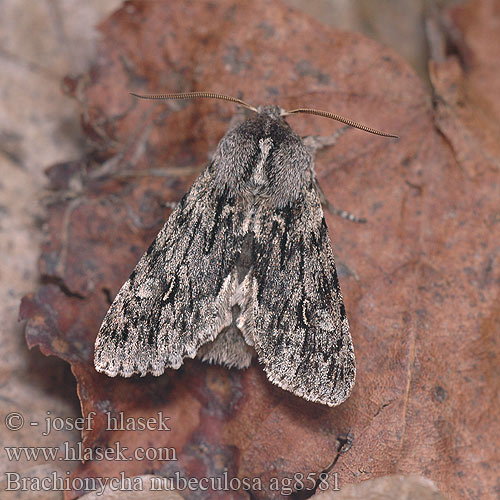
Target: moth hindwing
(242, 267)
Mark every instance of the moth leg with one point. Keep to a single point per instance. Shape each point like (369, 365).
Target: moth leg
(173, 171)
(334, 210)
(171, 204)
(317, 142)
(344, 213)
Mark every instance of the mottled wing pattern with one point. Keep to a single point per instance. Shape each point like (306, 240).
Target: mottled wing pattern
(178, 296)
(301, 330)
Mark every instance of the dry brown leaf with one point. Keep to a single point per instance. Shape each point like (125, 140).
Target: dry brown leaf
(420, 280)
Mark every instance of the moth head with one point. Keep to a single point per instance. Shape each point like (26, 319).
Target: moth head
(272, 111)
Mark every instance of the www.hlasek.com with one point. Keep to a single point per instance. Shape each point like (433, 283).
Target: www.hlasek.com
(66, 452)
(284, 485)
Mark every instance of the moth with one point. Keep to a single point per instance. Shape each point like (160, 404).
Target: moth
(243, 267)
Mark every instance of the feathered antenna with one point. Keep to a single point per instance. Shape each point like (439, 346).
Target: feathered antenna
(212, 95)
(193, 95)
(339, 118)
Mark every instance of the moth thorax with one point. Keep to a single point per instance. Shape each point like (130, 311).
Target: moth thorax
(259, 176)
